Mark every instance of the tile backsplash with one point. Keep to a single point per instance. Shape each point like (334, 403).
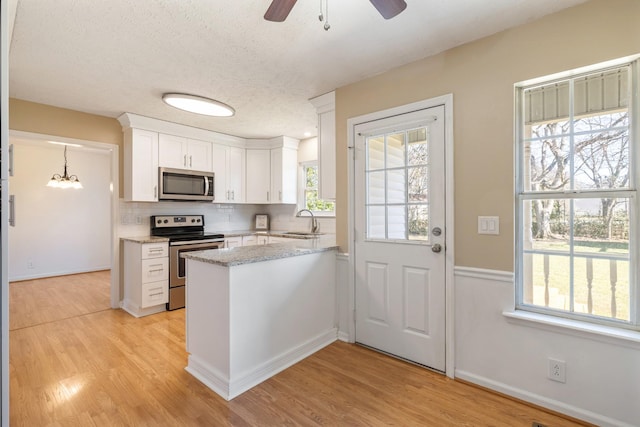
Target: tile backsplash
(134, 216)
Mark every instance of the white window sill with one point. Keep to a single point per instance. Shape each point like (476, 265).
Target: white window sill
(607, 334)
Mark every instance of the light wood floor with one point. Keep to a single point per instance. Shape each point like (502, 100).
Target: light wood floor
(47, 300)
(107, 368)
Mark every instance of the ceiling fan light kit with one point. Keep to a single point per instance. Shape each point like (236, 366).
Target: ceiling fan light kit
(279, 10)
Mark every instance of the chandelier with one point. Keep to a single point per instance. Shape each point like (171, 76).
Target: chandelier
(64, 181)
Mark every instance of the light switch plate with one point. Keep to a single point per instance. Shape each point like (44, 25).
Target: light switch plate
(488, 225)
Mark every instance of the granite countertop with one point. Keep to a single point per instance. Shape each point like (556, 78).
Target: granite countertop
(249, 254)
(146, 239)
(275, 233)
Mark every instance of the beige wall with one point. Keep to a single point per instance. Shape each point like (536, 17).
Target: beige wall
(481, 75)
(44, 119)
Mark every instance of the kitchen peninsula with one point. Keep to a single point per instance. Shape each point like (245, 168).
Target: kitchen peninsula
(251, 312)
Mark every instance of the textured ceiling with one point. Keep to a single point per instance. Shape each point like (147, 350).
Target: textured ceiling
(110, 57)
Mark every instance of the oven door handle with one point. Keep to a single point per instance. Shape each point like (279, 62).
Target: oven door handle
(197, 243)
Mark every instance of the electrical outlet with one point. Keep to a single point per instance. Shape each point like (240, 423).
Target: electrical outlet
(30, 265)
(557, 370)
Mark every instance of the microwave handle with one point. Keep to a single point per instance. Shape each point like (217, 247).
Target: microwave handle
(206, 186)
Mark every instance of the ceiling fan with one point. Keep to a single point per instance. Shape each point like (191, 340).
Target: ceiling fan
(279, 9)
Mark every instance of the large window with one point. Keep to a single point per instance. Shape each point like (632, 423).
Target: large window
(576, 197)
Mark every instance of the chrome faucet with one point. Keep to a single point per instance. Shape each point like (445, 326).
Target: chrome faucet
(314, 222)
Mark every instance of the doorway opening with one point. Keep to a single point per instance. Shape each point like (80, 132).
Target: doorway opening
(64, 233)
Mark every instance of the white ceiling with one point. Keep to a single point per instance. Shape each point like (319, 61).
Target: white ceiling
(115, 56)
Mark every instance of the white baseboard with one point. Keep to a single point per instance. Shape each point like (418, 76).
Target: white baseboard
(136, 311)
(56, 274)
(208, 376)
(230, 388)
(343, 336)
(542, 401)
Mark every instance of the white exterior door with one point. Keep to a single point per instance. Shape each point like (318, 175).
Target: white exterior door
(400, 236)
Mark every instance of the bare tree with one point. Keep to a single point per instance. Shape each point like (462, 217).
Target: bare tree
(548, 161)
(601, 157)
(604, 159)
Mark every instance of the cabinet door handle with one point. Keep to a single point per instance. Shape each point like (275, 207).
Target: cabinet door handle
(155, 192)
(184, 161)
(190, 161)
(280, 195)
(233, 194)
(268, 196)
(12, 210)
(11, 160)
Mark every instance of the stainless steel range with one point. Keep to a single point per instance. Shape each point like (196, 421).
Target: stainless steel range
(186, 234)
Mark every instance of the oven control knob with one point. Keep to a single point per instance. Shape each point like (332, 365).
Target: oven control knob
(166, 221)
(198, 220)
(159, 221)
(193, 220)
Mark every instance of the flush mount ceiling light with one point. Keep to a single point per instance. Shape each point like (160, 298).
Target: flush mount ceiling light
(198, 104)
(64, 181)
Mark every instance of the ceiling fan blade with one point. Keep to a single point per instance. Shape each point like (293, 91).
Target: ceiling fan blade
(389, 8)
(279, 10)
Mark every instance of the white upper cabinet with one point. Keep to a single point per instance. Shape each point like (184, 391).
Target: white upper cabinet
(228, 166)
(183, 153)
(140, 165)
(284, 175)
(272, 171)
(325, 107)
(246, 171)
(258, 181)
(199, 153)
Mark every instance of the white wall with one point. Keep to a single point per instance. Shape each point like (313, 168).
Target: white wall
(59, 231)
(602, 373)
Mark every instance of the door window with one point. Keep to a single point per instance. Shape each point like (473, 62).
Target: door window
(397, 185)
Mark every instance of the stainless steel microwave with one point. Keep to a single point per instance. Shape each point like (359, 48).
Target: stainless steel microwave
(180, 184)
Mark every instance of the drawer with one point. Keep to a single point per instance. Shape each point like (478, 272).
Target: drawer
(155, 250)
(249, 240)
(155, 293)
(155, 269)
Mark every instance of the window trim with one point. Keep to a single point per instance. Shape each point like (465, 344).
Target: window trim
(302, 202)
(590, 323)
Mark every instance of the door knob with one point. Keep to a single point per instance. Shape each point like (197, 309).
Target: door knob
(436, 248)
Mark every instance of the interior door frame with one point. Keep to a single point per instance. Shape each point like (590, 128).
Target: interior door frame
(447, 102)
(114, 202)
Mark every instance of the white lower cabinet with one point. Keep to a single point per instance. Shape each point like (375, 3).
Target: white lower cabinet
(273, 239)
(262, 239)
(249, 240)
(146, 278)
(233, 242)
